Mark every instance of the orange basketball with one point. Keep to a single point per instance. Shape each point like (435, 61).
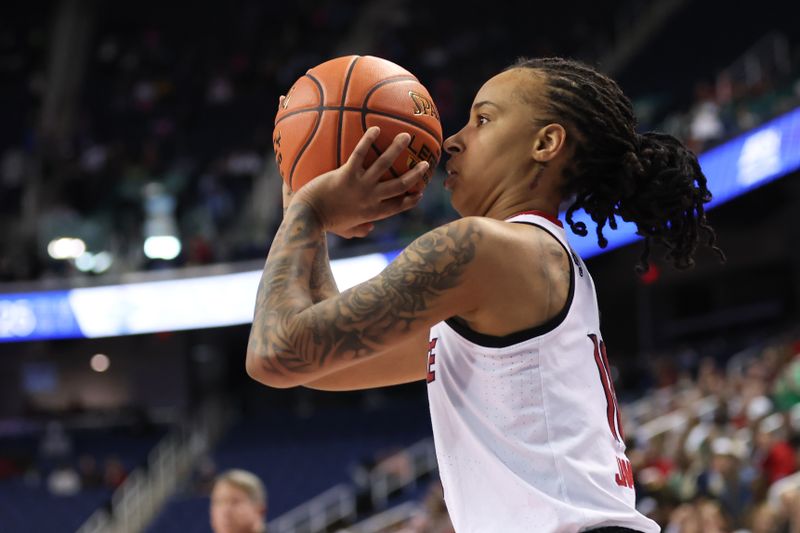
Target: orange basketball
(327, 111)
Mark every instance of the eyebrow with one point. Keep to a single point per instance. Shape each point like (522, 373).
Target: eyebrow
(482, 103)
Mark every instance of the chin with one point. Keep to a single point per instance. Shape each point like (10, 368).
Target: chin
(457, 208)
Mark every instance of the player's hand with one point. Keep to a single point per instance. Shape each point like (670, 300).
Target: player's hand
(347, 200)
(358, 231)
(287, 197)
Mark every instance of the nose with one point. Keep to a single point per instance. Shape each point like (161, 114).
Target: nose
(453, 144)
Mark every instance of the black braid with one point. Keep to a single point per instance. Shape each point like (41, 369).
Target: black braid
(652, 180)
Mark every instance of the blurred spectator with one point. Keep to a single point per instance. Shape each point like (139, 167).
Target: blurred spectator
(703, 516)
(114, 473)
(156, 108)
(205, 476)
(63, 481)
(705, 124)
(432, 516)
(777, 457)
(786, 390)
(238, 503)
(764, 519)
(732, 462)
(55, 443)
(89, 472)
(726, 480)
(395, 463)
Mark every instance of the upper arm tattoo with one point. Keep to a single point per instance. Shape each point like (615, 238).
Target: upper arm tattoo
(301, 338)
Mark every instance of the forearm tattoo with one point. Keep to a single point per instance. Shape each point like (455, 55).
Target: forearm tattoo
(292, 335)
(322, 284)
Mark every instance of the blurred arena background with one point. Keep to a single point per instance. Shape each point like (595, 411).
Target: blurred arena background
(138, 198)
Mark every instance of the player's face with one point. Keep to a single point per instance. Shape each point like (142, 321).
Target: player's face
(233, 511)
(494, 150)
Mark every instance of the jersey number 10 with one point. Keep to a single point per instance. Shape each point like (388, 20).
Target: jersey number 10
(612, 409)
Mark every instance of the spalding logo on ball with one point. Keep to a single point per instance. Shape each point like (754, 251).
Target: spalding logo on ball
(327, 110)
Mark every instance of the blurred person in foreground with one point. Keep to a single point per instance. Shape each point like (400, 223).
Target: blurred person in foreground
(238, 503)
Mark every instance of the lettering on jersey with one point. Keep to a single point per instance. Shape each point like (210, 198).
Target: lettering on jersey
(624, 475)
(577, 262)
(431, 360)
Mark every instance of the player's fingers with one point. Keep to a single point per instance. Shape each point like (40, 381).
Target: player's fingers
(400, 185)
(362, 230)
(356, 159)
(398, 204)
(388, 157)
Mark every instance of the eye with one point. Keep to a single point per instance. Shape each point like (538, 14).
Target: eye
(482, 119)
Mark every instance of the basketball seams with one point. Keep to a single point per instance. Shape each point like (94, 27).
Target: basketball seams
(317, 109)
(387, 81)
(341, 111)
(348, 88)
(365, 110)
(313, 132)
(374, 146)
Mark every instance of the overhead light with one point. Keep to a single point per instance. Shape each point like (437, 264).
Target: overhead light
(100, 362)
(102, 262)
(66, 248)
(162, 247)
(85, 262)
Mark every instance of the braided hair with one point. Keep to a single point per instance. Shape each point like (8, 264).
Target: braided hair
(652, 179)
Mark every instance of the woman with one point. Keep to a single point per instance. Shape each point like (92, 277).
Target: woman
(494, 310)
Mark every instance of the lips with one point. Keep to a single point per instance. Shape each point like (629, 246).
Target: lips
(451, 176)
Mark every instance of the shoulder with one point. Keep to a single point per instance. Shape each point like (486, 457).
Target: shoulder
(462, 241)
(453, 245)
(488, 239)
(439, 273)
(450, 256)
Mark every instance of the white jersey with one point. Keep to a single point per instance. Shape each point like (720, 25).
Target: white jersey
(527, 428)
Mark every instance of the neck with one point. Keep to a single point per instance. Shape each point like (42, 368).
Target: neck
(520, 195)
(505, 210)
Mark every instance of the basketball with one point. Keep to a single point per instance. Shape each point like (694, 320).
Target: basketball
(327, 110)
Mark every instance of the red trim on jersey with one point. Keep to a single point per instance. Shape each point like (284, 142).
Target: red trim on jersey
(617, 413)
(605, 378)
(542, 214)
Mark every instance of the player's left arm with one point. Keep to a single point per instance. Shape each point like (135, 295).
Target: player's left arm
(295, 341)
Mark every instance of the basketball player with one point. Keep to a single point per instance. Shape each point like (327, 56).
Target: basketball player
(494, 310)
(238, 503)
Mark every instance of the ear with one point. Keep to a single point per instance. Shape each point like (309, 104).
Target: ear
(550, 141)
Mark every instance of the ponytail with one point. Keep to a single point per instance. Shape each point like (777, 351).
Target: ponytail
(652, 180)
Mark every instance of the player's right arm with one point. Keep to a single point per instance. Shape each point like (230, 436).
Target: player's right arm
(294, 341)
(403, 363)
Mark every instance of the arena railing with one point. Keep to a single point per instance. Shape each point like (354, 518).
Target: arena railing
(337, 505)
(334, 505)
(387, 520)
(139, 499)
